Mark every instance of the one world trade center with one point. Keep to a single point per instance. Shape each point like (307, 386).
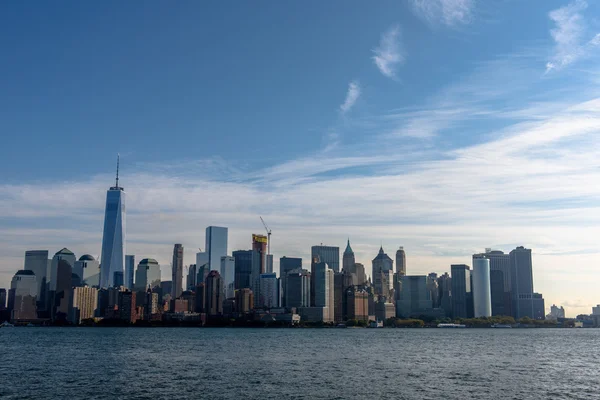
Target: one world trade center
(113, 240)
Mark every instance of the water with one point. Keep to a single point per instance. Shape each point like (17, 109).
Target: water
(178, 363)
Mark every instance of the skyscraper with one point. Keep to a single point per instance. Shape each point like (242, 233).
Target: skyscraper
(269, 291)
(147, 275)
(324, 290)
(298, 289)
(482, 296)
(228, 275)
(88, 269)
(401, 261)
(414, 296)
(62, 294)
(192, 277)
(214, 294)
(2, 299)
(129, 270)
(383, 268)
(22, 296)
(327, 254)
(259, 243)
(216, 246)
(287, 264)
(37, 262)
(461, 290)
(85, 304)
(525, 302)
(500, 278)
(246, 261)
(177, 271)
(348, 259)
(113, 240)
(244, 300)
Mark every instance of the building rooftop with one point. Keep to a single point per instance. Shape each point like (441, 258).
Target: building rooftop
(64, 251)
(148, 261)
(87, 257)
(348, 248)
(24, 272)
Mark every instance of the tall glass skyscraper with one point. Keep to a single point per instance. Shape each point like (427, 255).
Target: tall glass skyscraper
(216, 246)
(113, 241)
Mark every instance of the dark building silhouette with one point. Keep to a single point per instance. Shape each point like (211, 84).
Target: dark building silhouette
(244, 300)
(127, 308)
(200, 306)
(461, 290)
(244, 262)
(62, 296)
(287, 264)
(214, 294)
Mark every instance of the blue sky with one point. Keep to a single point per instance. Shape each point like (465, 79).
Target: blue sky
(445, 126)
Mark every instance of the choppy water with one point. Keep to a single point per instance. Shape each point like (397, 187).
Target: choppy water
(163, 363)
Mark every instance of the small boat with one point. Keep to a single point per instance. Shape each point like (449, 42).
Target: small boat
(451, 326)
(505, 326)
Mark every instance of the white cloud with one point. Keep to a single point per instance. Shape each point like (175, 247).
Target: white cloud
(568, 35)
(388, 55)
(447, 12)
(351, 97)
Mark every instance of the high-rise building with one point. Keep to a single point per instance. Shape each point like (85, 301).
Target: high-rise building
(147, 275)
(445, 293)
(23, 296)
(245, 261)
(358, 304)
(192, 277)
(200, 297)
(298, 288)
(287, 264)
(177, 271)
(127, 306)
(62, 294)
(341, 282)
(327, 254)
(2, 299)
(500, 290)
(37, 262)
(201, 259)
(214, 294)
(113, 240)
(269, 291)
(556, 312)
(383, 269)
(414, 296)
(244, 300)
(525, 302)
(461, 290)
(228, 275)
(361, 276)
(259, 243)
(269, 264)
(65, 255)
(324, 290)
(432, 286)
(482, 296)
(129, 271)
(85, 304)
(88, 269)
(401, 261)
(216, 246)
(348, 259)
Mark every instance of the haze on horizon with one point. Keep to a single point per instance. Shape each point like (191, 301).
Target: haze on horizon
(444, 126)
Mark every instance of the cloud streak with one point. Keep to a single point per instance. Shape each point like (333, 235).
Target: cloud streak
(351, 97)
(388, 55)
(446, 12)
(568, 36)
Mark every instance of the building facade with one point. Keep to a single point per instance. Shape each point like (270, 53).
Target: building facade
(129, 271)
(525, 302)
(147, 275)
(177, 271)
(216, 246)
(482, 295)
(228, 275)
(383, 270)
(214, 294)
(401, 261)
(22, 296)
(269, 291)
(414, 297)
(287, 264)
(298, 289)
(461, 290)
(85, 304)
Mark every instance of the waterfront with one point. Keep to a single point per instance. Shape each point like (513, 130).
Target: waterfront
(95, 363)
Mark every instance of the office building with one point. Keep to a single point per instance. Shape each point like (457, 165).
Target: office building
(461, 290)
(298, 291)
(358, 304)
(327, 254)
(383, 267)
(245, 262)
(401, 261)
(22, 296)
(259, 244)
(348, 259)
(3, 297)
(37, 261)
(525, 302)
(244, 300)
(192, 277)
(151, 305)
(341, 282)
(287, 264)
(500, 279)
(64, 255)
(85, 304)
(88, 270)
(384, 309)
(445, 294)
(269, 291)
(200, 297)
(228, 275)
(202, 259)
(414, 297)
(127, 306)
(177, 271)
(556, 312)
(361, 276)
(324, 290)
(148, 276)
(482, 296)
(269, 264)
(112, 258)
(62, 294)
(214, 294)
(129, 272)
(216, 246)
(432, 286)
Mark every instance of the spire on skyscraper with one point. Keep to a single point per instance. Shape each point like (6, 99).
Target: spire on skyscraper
(348, 248)
(117, 181)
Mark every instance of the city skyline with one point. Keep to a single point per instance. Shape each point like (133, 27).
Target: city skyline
(443, 132)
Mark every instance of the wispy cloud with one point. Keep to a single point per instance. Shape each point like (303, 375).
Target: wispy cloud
(447, 12)
(389, 55)
(569, 35)
(351, 97)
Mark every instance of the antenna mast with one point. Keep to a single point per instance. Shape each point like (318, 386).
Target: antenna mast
(117, 181)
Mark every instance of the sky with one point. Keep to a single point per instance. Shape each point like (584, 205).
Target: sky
(444, 126)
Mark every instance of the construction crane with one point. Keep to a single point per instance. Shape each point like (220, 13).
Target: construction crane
(268, 235)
